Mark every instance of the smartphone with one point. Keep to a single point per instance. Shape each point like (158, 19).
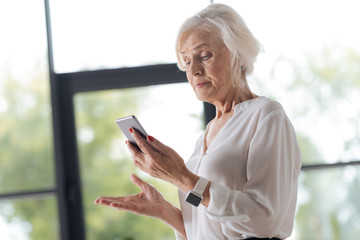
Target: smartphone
(131, 121)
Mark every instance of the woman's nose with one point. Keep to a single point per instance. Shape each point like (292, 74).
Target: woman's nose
(196, 69)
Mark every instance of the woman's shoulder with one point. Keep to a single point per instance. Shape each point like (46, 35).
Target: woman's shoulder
(271, 105)
(267, 106)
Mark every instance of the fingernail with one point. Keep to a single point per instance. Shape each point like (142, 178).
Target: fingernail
(150, 138)
(130, 129)
(126, 142)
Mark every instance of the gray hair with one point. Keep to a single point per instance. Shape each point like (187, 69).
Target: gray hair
(226, 24)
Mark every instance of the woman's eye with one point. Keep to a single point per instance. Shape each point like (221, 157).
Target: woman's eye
(186, 64)
(205, 57)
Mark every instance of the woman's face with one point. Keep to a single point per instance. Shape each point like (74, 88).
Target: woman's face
(207, 65)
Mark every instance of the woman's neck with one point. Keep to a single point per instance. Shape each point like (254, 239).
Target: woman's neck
(226, 105)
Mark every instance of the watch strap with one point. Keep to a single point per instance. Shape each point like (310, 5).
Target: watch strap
(200, 186)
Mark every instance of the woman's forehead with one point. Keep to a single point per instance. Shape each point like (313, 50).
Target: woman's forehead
(193, 40)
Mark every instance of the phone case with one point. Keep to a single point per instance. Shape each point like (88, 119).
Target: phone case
(127, 122)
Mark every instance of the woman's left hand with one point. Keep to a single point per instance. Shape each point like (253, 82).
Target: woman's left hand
(160, 161)
(148, 202)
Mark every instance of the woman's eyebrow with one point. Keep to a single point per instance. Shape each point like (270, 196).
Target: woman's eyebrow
(197, 47)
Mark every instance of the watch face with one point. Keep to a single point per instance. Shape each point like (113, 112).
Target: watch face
(193, 199)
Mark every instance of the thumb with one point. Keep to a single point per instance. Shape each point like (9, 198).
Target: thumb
(138, 182)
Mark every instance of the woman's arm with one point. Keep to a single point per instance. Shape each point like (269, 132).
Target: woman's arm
(174, 219)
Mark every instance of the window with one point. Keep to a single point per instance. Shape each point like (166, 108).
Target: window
(97, 61)
(28, 203)
(328, 204)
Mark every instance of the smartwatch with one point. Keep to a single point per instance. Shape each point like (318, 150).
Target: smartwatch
(195, 196)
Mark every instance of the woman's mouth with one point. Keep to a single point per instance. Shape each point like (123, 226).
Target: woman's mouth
(199, 85)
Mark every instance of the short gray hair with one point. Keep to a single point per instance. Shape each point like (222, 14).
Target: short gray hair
(226, 24)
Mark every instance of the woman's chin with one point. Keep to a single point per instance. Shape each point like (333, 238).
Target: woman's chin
(203, 97)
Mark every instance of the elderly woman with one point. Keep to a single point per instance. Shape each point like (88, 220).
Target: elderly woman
(241, 180)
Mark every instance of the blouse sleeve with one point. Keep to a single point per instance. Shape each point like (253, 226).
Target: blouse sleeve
(268, 198)
(178, 236)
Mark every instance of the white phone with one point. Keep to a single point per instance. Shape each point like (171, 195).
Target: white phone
(131, 121)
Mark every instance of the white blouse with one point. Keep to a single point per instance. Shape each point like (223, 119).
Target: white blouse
(253, 164)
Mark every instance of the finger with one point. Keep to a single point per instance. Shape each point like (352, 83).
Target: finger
(157, 144)
(136, 155)
(134, 149)
(141, 141)
(99, 199)
(160, 147)
(104, 201)
(109, 200)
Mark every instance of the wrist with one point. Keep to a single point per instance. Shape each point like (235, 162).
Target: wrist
(173, 218)
(188, 181)
(196, 195)
(169, 211)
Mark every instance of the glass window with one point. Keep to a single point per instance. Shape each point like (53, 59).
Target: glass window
(26, 130)
(310, 65)
(29, 219)
(171, 113)
(91, 35)
(328, 204)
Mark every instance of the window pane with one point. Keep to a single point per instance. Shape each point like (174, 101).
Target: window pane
(25, 133)
(310, 65)
(171, 113)
(29, 219)
(328, 204)
(107, 34)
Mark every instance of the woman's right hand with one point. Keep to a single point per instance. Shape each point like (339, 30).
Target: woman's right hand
(148, 202)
